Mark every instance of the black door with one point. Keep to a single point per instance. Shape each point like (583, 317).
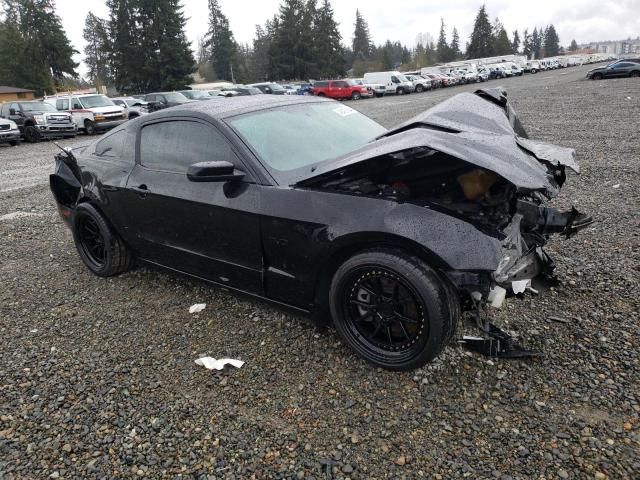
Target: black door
(15, 113)
(208, 229)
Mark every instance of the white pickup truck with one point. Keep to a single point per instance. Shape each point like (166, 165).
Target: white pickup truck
(92, 113)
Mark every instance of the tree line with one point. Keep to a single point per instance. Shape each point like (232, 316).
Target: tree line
(141, 46)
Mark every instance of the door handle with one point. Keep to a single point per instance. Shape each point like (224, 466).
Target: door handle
(141, 190)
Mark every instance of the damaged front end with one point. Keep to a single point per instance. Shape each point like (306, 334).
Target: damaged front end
(470, 158)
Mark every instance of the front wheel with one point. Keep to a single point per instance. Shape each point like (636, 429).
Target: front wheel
(31, 134)
(100, 247)
(355, 96)
(392, 309)
(635, 73)
(597, 76)
(419, 88)
(400, 91)
(89, 127)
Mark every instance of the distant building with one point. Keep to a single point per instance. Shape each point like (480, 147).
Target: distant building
(8, 94)
(617, 47)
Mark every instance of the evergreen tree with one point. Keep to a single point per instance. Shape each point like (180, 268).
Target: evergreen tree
(387, 56)
(126, 52)
(220, 43)
(455, 45)
(536, 43)
(515, 45)
(444, 52)
(574, 46)
(97, 50)
(259, 62)
(527, 47)
(328, 50)
(501, 42)
(35, 51)
(551, 42)
(292, 48)
(150, 50)
(361, 44)
(405, 56)
(481, 41)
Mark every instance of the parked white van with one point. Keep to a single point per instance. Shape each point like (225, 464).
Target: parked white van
(92, 113)
(394, 82)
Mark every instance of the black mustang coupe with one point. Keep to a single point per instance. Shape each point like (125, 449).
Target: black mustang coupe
(309, 204)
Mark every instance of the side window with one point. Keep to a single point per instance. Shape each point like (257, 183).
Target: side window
(161, 98)
(119, 102)
(340, 84)
(175, 145)
(394, 79)
(111, 145)
(4, 110)
(76, 105)
(321, 84)
(15, 106)
(62, 104)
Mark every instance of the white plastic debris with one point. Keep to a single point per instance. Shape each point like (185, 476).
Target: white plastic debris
(213, 364)
(520, 286)
(496, 296)
(617, 185)
(198, 307)
(34, 330)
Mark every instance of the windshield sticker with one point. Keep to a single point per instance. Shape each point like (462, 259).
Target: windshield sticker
(344, 111)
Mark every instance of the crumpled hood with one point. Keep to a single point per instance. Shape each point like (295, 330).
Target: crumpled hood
(480, 129)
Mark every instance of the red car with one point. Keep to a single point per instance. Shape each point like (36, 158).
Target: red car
(341, 89)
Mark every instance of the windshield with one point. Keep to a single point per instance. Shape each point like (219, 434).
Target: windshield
(193, 94)
(94, 101)
(275, 87)
(175, 97)
(38, 107)
(298, 136)
(402, 78)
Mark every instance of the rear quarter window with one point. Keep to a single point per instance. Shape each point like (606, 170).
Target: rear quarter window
(111, 146)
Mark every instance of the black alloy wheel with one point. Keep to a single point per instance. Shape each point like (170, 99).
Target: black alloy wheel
(100, 247)
(392, 309)
(31, 134)
(92, 241)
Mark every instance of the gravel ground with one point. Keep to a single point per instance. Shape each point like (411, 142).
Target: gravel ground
(97, 377)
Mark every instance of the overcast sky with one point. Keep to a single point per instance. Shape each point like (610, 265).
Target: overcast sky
(582, 20)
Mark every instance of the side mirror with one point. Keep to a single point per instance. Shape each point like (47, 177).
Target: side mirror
(219, 171)
(12, 111)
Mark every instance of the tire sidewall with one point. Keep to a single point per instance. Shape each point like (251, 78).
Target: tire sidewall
(430, 291)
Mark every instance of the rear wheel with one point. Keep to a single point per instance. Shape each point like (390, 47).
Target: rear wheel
(100, 247)
(635, 73)
(392, 309)
(31, 134)
(419, 88)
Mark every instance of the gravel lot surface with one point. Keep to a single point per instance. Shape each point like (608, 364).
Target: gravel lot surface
(97, 377)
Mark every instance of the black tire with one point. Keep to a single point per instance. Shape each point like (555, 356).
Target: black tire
(596, 76)
(379, 95)
(419, 88)
(89, 127)
(100, 247)
(14, 143)
(400, 91)
(416, 328)
(356, 96)
(321, 95)
(635, 73)
(31, 134)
